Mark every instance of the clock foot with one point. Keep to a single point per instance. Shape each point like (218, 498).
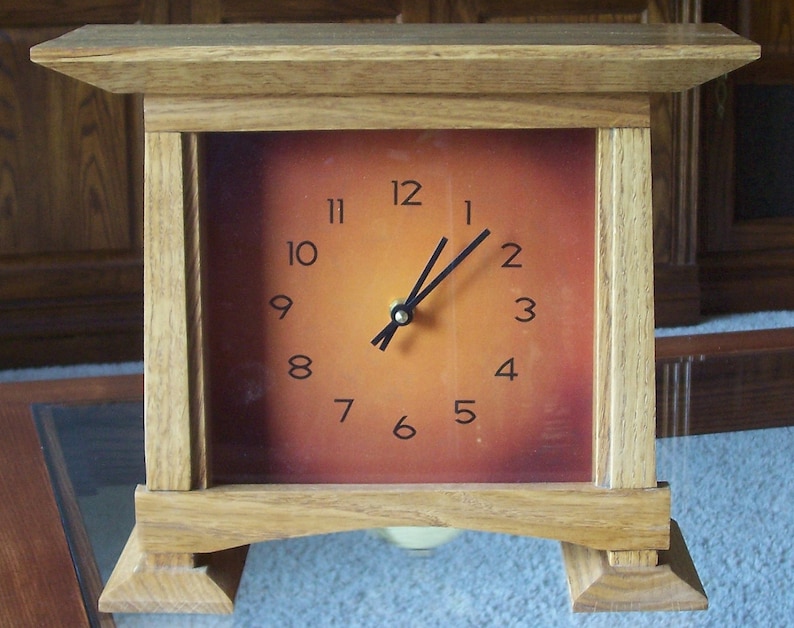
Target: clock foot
(137, 585)
(673, 584)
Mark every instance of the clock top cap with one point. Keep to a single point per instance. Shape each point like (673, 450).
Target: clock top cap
(355, 59)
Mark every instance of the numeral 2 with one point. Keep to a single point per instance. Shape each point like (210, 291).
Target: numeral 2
(509, 263)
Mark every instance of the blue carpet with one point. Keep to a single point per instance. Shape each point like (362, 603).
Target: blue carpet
(732, 496)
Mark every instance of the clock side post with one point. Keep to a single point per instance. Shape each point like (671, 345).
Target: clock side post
(624, 388)
(174, 422)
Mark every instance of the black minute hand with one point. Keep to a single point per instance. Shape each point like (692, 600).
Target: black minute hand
(403, 317)
(402, 313)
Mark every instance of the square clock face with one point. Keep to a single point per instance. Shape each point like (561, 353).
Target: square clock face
(399, 306)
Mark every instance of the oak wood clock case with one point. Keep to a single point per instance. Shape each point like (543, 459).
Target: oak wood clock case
(186, 553)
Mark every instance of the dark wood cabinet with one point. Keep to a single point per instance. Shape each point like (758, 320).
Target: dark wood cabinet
(746, 243)
(70, 166)
(70, 209)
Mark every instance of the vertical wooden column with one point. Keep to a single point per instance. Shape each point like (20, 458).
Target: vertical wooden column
(625, 385)
(625, 391)
(175, 434)
(166, 353)
(173, 379)
(624, 371)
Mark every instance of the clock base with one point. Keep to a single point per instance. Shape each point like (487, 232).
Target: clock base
(137, 586)
(595, 585)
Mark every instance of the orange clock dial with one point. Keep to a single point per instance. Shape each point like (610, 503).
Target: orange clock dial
(400, 306)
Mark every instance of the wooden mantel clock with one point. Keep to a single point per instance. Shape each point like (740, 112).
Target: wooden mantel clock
(399, 276)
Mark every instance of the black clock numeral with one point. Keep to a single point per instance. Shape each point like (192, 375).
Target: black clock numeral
(468, 413)
(282, 303)
(336, 210)
(304, 252)
(529, 309)
(299, 366)
(509, 263)
(507, 369)
(402, 430)
(348, 404)
(405, 197)
(468, 212)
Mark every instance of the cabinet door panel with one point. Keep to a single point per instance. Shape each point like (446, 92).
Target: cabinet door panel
(41, 13)
(746, 218)
(310, 11)
(540, 11)
(64, 182)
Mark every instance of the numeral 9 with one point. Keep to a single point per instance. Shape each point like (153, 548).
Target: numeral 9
(282, 303)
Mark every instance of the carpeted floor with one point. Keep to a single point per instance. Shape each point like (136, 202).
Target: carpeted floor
(732, 496)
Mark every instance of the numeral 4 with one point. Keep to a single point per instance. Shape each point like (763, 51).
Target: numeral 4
(507, 369)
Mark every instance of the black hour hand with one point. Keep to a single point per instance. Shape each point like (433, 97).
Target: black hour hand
(402, 312)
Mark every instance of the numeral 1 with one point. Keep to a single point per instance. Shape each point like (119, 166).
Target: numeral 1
(336, 210)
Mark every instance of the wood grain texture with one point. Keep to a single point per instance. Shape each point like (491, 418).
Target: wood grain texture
(169, 464)
(69, 215)
(382, 58)
(63, 309)
(624, 375)
(674, 131)
(595, 585)
(135, 586)
(771, 24)
(676, 294)
(193, 181)
(394, 111)
(39, 583)
(480, 11)
(233, 515)
(747, 264)
(725, 382)
(288, 62)
(64, 184)
(22, 13)
(35, 564)
(235, 11)
(754, 280)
